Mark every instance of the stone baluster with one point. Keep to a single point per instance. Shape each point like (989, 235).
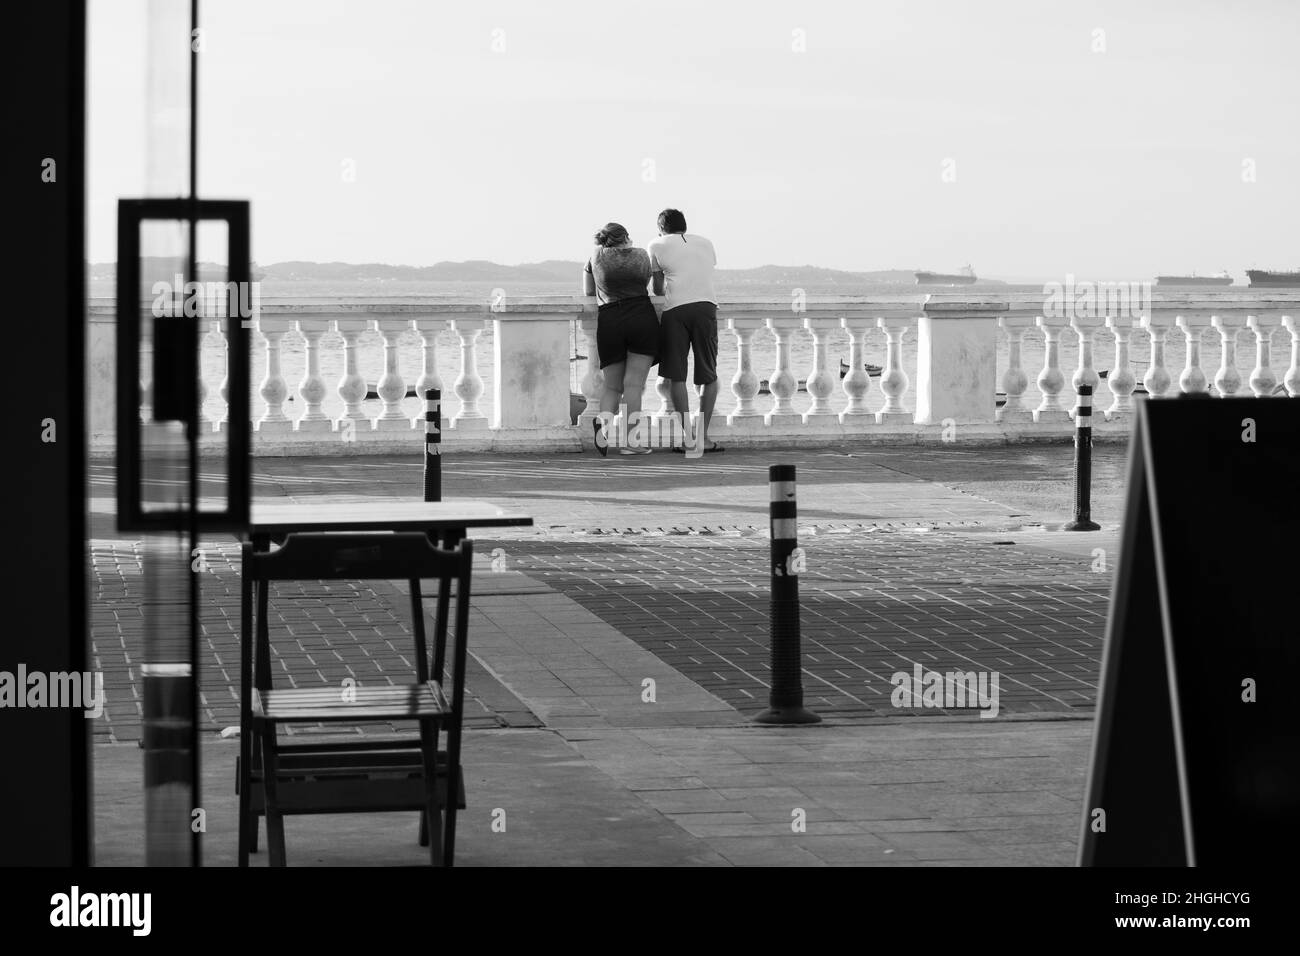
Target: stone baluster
(429, 377)
(1157, 379)
(1228, 380)
(1051, 380)
(1014, 379)
(1193, 378)
(1085, 327)
(223, 423)
(1292, 379)
(391, 386)
(312, 387)
(592, 382)
(857, 382)
(821, 379)
(146, 378)
(893, 380)
(744, 384)
(1122, 380)
(274, 389)
(352, 387)
(205, 328)
(782, 382)
(469, 385)
(1263, 381)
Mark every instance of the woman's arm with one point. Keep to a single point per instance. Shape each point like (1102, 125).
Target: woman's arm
(588, 280)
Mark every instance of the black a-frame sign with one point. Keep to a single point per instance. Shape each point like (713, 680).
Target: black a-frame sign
(1196, 754)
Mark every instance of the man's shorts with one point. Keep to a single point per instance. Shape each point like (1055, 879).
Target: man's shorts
(692, 326)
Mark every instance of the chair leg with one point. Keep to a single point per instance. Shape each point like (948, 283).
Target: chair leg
(429, 750)
(274, 818)
(449, 838)
(245, 800)
(424, 828)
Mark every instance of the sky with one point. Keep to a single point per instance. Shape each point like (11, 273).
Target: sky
(1029, 139)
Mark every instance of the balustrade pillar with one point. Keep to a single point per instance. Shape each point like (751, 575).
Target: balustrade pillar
(1121, 381)
(893, 380)
(1292, 379)
(1228, 379)
(1085, 327)
(592, 382)
(857, 382)
(821, 380)
(1014, 379)
(782, 383)
(469, 385)
(1193, 378)
(957, 361)
(391, 386)
(352, 387)
(274, 389)
(312, 387)
(1157, 378)
(223, 423)
(744, 384)
(1263, 381)
(428, 330)
(1051, 380)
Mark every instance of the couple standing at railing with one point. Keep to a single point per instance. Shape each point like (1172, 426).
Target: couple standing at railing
(630, 337)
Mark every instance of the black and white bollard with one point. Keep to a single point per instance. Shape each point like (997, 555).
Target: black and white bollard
(785, 700)
(433, 444)
(1083, 464)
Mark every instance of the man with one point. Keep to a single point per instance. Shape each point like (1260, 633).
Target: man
(681, 267)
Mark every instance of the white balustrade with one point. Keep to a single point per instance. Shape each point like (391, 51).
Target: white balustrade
(429, 377)
(1193, 378)
(1014, 379)
(1227, 380)
(391, 387)
(821, 380)
(223, 423)
(312, 387)
(352, 387)
(593, 379)
(1051, 380)
(744, 384)
(274, 390)
(1121, 381)
(782, 383)
(1085, 327)
(1157, 379)
(857, 382)
(1262, 380)
(1292, 379)
(893, 380)
(469, 385)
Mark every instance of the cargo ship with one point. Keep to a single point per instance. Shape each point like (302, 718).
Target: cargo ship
(965, 277)
(1286, 280)
(1223, 278)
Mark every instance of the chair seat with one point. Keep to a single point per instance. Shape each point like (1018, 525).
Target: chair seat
(310, 705)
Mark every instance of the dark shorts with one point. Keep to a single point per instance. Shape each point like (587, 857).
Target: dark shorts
(628, 325)
(692, 326)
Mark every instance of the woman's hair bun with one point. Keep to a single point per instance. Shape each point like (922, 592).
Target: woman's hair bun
(612, 234)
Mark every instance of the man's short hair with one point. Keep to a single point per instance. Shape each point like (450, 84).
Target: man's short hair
(672, 220)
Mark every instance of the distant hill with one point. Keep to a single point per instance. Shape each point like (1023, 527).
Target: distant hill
(551, 270)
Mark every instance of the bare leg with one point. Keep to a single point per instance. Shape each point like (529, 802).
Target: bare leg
(638, 367)
(609, 398)
(681, 405)
(708, 398)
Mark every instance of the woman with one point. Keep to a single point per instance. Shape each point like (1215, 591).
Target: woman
(627, 328)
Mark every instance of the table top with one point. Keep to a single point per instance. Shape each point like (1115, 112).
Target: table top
(391, 515)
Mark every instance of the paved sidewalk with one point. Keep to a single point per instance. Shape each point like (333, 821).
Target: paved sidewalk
(650, 574)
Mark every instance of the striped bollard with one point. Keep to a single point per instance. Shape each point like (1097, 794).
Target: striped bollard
(433, 444)
(1083, 464)
(785, 700)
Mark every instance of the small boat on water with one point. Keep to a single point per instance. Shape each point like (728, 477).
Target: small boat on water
(872, 370)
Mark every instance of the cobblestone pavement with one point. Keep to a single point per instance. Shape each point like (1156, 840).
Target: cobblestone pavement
(872, 604)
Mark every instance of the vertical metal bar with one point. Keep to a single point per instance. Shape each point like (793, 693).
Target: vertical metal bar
(433, 444)
(1083, 464)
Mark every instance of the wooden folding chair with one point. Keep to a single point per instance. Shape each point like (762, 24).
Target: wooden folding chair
(351, 777)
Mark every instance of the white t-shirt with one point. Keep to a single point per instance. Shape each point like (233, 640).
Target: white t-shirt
(687, 262)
